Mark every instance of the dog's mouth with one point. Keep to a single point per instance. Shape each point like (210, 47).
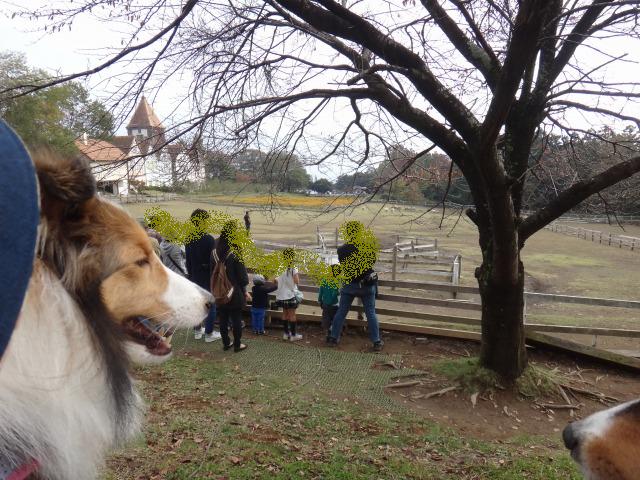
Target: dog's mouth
(140, 330)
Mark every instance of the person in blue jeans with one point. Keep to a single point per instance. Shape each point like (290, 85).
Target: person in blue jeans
(356, 262)
(260, 301)
(198, 263)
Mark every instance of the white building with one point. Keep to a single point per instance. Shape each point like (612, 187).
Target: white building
(140, 158)
(108, 163)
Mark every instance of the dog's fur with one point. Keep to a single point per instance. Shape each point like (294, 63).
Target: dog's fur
(606, 444)
(66, 396)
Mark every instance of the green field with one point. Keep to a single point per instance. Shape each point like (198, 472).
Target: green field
(554, 263)
(290, 412)
(282, 411)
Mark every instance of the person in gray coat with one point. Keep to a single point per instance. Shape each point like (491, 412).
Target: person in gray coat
(173, 257)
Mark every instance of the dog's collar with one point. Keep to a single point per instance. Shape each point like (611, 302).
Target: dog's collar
(20, 473)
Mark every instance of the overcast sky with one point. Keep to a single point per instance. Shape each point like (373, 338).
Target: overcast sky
(84, 46)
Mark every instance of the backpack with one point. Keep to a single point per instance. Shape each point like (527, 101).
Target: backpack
(220, 285)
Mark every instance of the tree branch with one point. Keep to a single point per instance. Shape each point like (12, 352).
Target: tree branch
(579, 33)
(575, 194)
(338, 20)
(488, 66)
(186, 10)
(524, 44)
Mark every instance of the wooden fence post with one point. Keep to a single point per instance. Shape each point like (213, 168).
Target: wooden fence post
(455, 273)
(394, 264)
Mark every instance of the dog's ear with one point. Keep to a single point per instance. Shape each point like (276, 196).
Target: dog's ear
(65, 185)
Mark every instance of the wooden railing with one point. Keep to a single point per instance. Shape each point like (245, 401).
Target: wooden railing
(422, 321)
(596, 236)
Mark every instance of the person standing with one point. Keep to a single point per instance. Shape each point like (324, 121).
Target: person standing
(328, 297)
(236, 272)
(260, 301)
(173, 257)
(357, 259)
(198, 263)
(247, 220)
(286, 296)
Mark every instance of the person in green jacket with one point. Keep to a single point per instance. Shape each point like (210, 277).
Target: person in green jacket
(328, 296)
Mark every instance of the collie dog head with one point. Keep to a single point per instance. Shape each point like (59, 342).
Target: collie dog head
(105, 260)
(66, 395)
(606, 444)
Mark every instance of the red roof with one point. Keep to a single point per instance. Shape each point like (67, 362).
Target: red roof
(144, 116)
(124, 142)
(100, 150)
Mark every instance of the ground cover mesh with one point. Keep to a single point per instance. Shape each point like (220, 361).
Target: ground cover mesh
(360, 376)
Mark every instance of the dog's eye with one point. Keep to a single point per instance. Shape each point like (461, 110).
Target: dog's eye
(142, 262)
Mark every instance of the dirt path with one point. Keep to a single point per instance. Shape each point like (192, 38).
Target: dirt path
(498, 414)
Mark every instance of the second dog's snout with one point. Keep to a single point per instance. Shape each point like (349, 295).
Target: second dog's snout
(569, 437)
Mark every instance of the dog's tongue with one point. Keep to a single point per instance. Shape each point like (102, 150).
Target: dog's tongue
(143, 335)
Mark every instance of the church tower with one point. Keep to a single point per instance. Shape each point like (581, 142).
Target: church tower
(145, 124)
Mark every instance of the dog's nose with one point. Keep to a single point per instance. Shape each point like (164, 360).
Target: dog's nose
(569, 437)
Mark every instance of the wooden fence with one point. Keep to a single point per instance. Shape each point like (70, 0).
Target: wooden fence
(396, 315)
(408, 255)
(602, 238)
(155, 197)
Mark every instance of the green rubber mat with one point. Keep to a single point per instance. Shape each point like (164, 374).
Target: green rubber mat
(359, 376)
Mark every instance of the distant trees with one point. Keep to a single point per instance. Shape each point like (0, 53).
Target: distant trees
(564, 160)
(362, 179)
(322, 185)
(287, 172)
(282, 170)
(217, 165)
(54, 117)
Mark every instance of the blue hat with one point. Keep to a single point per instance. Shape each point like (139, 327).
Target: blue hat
(19, 216)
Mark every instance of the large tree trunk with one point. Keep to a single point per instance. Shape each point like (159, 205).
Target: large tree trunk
(503, 336)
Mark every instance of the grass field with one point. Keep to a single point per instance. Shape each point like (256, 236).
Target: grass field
(554, 263)
(282, 411)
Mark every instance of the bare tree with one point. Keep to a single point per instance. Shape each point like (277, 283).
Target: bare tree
(479, 79)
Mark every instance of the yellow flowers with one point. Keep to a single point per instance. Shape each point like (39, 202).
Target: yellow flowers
(271, 264)
(289, 201)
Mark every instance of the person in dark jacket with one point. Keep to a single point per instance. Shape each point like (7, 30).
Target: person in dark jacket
(356, 262)
(329, 296)
(198, 263)
(260, 300)
(247, 220)
(231, 312)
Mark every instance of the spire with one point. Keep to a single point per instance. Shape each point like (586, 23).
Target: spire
(144, 117)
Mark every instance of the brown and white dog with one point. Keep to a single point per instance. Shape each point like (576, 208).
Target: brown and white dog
(606, 444)
(66, 394)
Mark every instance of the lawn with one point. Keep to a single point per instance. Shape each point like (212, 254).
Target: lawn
(554, 263)
(282, 411)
